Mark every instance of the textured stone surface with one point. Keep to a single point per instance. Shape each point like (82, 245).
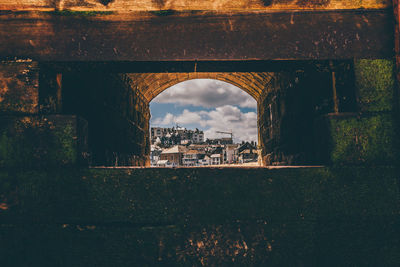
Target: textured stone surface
(41, 141)
(19, 87)
(224, 5)
(152, 84)
(375, 84)
(124, 217)
(118, 117)
(202, 35)
(355, 139)
(287, 110)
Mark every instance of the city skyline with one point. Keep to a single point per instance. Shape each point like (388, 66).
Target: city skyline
(209, 105)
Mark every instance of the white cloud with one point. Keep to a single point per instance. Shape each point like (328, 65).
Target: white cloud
(206, 93)
(168, 119)
(188, 117)
(224, 118)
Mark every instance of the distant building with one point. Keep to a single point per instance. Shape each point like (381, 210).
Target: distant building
(176, 136)
(174, 155)
(197, 137)
(206, 161)
(198, 147)
(247, 152)
(192, 157)
(220, 141)
(230, 154)
(155, 154)
(156, 132)
(215, 159)
(163, 163)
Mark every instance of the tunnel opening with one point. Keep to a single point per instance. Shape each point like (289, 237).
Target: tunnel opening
(292, 106)
(204, 122)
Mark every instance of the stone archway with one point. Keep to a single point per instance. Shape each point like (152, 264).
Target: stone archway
(152, 84)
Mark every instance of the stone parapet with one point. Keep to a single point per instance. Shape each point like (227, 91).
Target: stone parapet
(202, 216)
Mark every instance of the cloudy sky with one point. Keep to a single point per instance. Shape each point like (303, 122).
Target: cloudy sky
(209, 105)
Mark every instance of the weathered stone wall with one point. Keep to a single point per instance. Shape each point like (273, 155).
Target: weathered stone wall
(152, 84)
(344, 113)
(43, 114)
(19, 87)
(287, 110)
(197, 217)
(118, 117)
(369, 136)
(196, 36)
(31, 135)
(223, 5)
(39, 141)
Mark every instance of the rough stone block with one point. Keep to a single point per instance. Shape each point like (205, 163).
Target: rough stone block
(19, 87)
(353, 139)
(376, 84)
(37, 141)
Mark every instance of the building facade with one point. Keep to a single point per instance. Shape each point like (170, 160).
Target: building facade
(174, 155)
(176, 136)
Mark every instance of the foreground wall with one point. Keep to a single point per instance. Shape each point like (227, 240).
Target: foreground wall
(194, 217)
(52, 118)
(118, 117)
(346, 113)
(149, 30)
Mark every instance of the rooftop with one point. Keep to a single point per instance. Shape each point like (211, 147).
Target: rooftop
(174, 150)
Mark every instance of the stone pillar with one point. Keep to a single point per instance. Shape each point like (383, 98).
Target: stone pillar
(32, 135)
(117, 114)
(370, 135)
(287, 110)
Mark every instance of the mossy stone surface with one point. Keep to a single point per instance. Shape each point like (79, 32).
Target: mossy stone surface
(39, 141)
(75, 13)
(360, 139)
(180, 217)
(376, 84)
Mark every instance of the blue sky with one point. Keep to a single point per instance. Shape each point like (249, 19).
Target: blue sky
(209, 105)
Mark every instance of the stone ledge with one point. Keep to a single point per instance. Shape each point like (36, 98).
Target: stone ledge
(180, 196)
(259, 217)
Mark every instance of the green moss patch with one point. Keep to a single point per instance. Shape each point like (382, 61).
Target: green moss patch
(163, 13)
(179, 217)
(363, 140)
(375, 82)
(67, 12)
(38, 141)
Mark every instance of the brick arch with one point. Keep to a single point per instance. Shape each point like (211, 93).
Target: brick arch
(152, 84)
